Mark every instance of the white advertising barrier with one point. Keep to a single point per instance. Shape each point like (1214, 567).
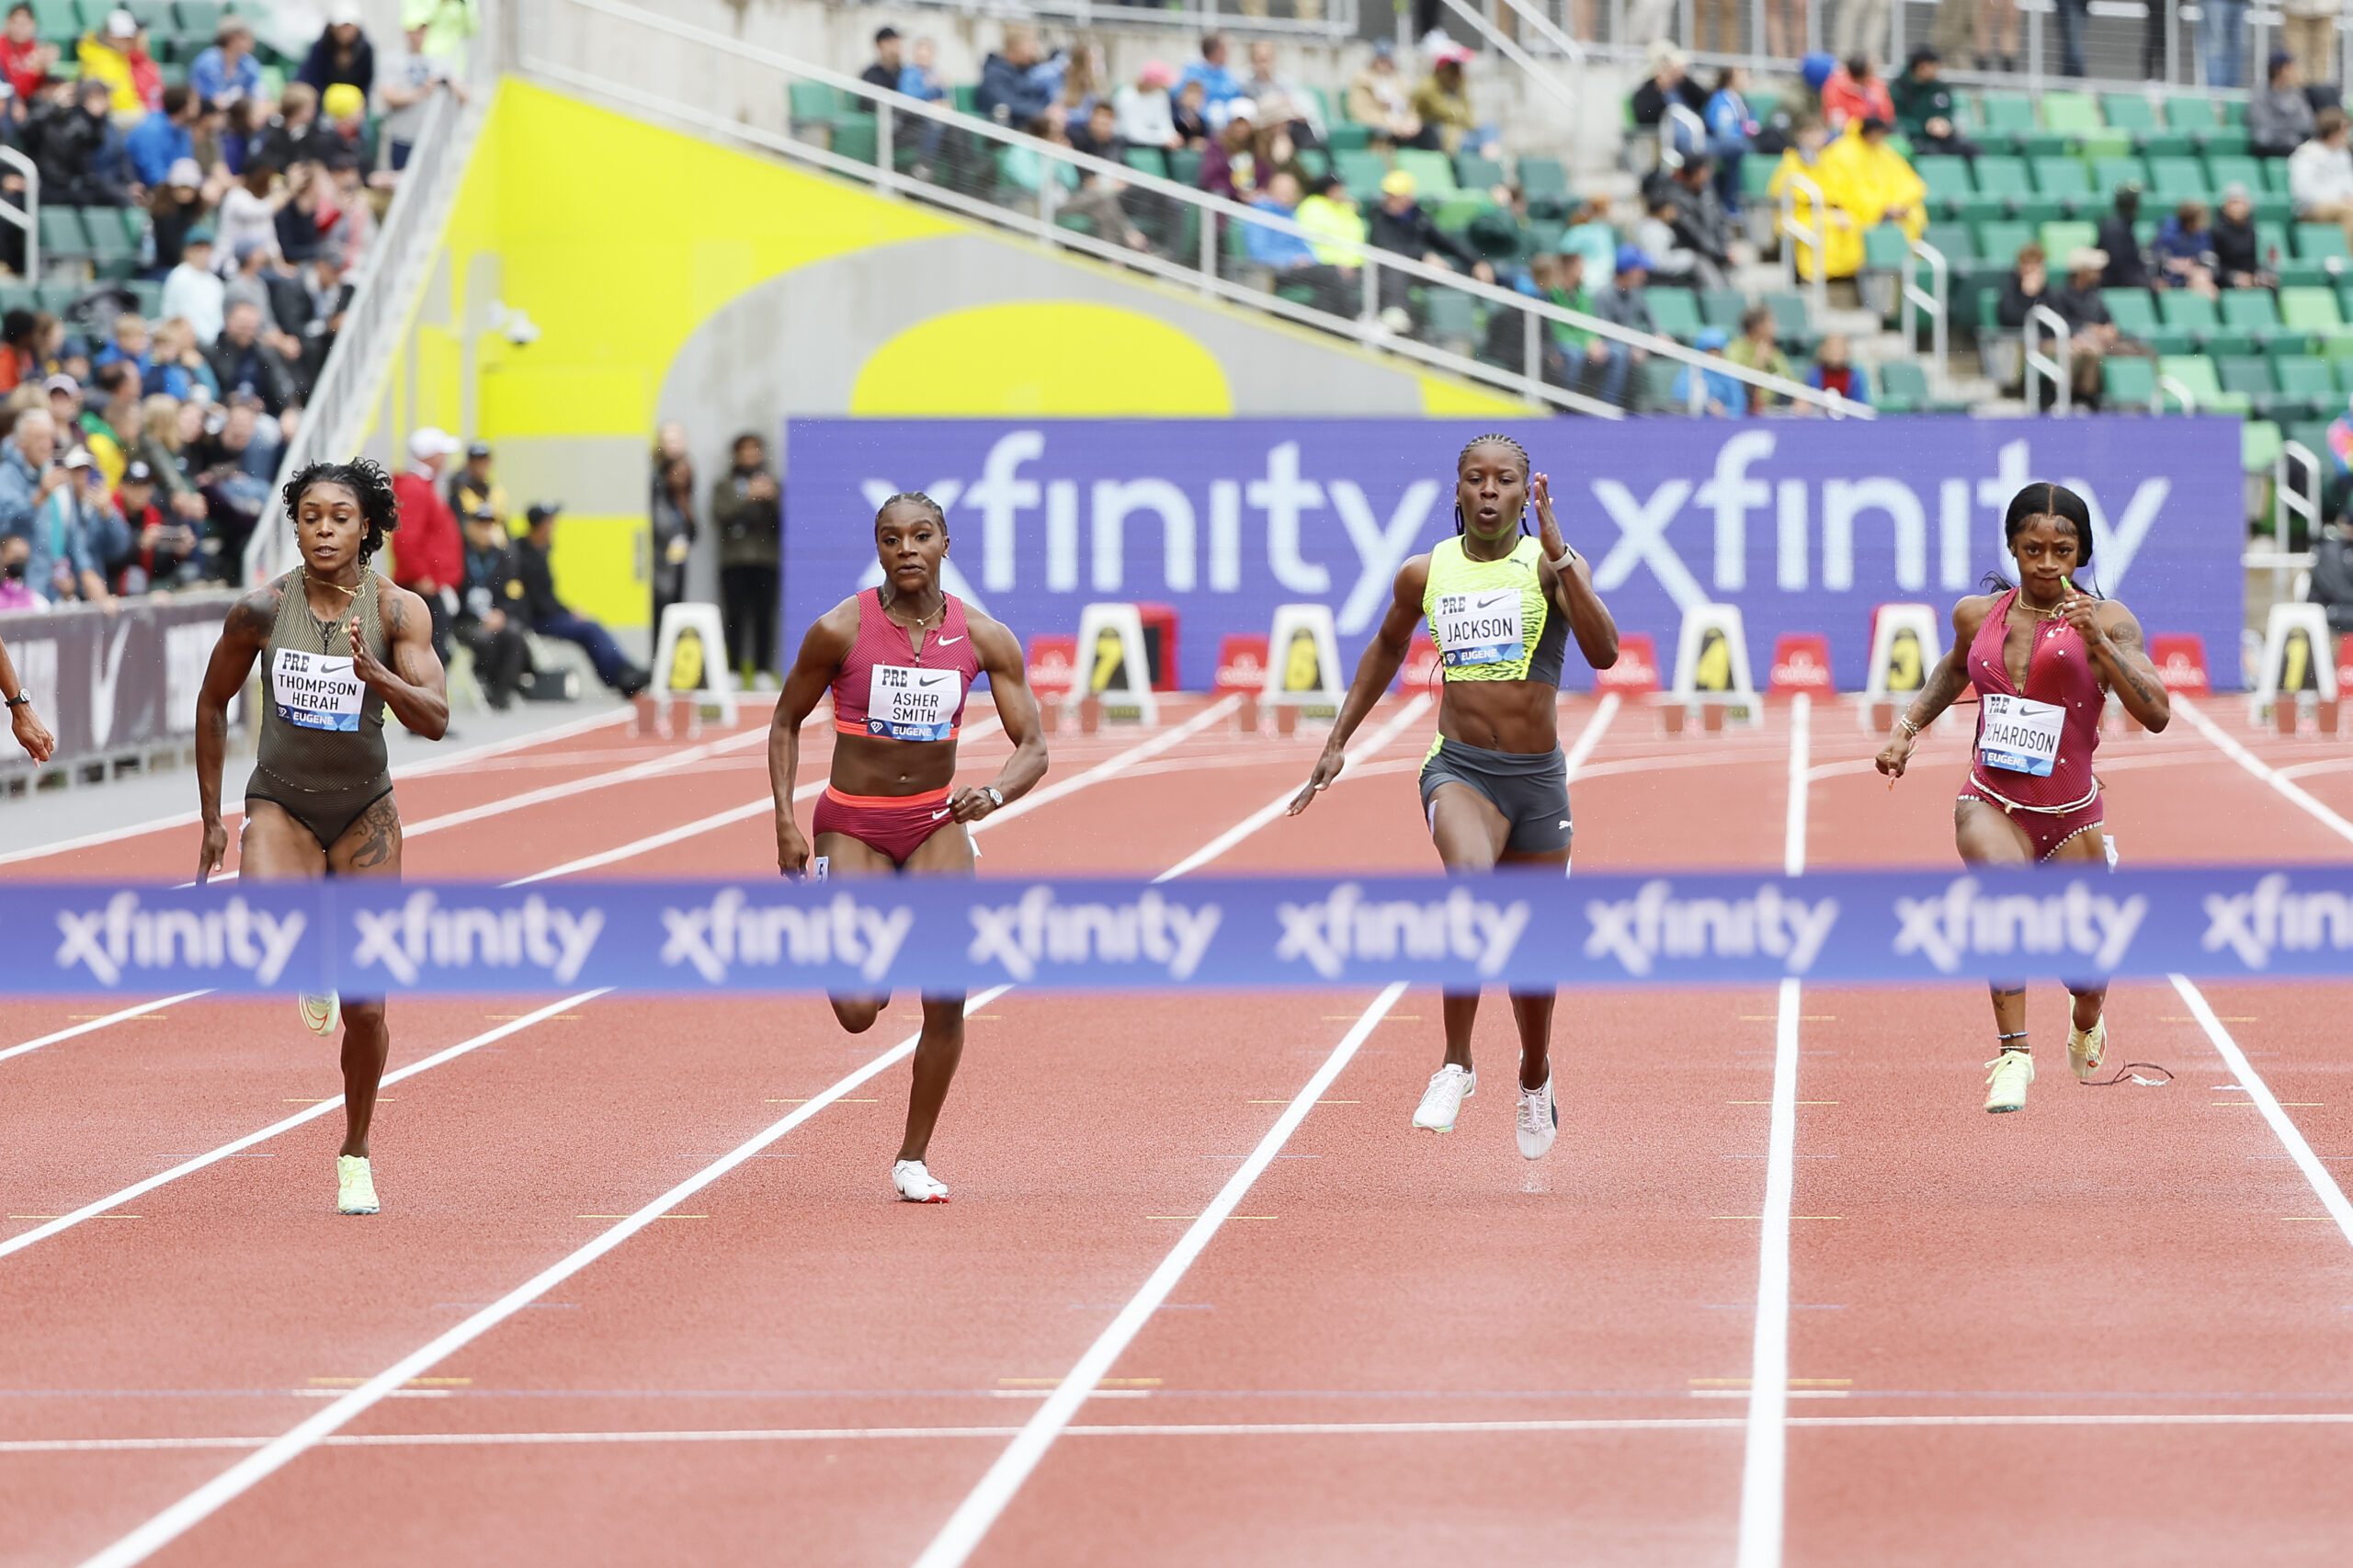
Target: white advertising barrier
(1112, 667)
(1712, 659)
(1905, 646)
(2296, 655)
(690, 659)
(1303, 662)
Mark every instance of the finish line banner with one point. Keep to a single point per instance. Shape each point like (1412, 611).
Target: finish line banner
(1516, 929)
(1805, 524)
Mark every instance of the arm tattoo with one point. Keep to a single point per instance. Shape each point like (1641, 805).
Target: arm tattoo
(254, 615)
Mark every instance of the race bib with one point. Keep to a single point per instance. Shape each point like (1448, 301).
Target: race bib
(2019, 734)
(316, 691)
(1478, 628)
(906, 704)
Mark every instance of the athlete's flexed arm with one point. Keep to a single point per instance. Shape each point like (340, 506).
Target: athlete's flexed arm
(415, 686)
(1944, 686)
(1568, 584)
(1016, 709)
(1383, 656)
(2113, 639)
(242, 635)
(821, 652)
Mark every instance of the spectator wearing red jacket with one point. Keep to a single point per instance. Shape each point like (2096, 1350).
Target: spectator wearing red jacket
(24, 59)
(1856, 91)
(428, 555)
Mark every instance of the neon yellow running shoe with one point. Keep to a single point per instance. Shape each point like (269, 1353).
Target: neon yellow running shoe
(2085, 1048)
(320, 1014)
(355, 1186)
(2005, 1084)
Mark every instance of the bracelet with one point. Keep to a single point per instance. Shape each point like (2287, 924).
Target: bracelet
(1910, 728)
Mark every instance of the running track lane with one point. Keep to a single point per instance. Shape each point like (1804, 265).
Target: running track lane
(831, 1046)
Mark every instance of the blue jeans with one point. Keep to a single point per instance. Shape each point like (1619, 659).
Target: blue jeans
(602, 650)
(2221, 39)
(1612, 375)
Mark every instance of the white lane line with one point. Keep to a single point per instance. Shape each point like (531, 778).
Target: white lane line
(93, 1025)
(1202, 1429)
(980, 1507)
(232, 1482)
(407, 770)
(695, 828)
(1113, 767)
(1368, 747)
(186, 1167)
(2292, 1137)
(1598, 725)
(1765, 1467)
(2231, 748)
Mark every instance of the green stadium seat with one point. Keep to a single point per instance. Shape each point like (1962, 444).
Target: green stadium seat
(2248, 377)
(1185, 168)
(2071, 114)
(58, 299)
(2002, 189)
(1362, 171)
(2310, 434)
(19, 297)
(2196, 372)
(2172, 181)
(1472, 172)
(2232, 111)
(966, 99)
(2320, 259)
(1792, 323)
(2307, 386)
(1998, 243)
(57, 22)
(1454, 214)
(2064, 181)
(201, 17)
(1347, 136)
(1451, 314)
(1433, 174)
(1723, 307)
(1949, 188)
(1315, 163)
(2132, 311)
(855, 137)
(2232, 168)
(2006, 115)
(1885, 248)
(2133, 112)
(2258, 445)
(1677, 312)
(813, 103)
(2271, 240)
(1544, 179)
(1755, 179)
(2251, 312)
(1903, 386)
(2060, 240)
(61, 233)
(2113, 175)
(1148, 161)
(2189, 318)
(1954, 242)
(150, 296)
(2127, 383)
(2229, 138)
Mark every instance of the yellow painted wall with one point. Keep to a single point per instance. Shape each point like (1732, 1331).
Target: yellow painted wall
(620, 238)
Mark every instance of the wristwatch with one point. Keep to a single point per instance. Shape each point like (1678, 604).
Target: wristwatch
(995, 797)
(19, 700)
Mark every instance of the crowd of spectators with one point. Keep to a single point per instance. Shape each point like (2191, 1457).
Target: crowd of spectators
(137, 450)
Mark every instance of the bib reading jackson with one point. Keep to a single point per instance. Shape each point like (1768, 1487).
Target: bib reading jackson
(316, 691)
(1482, 628)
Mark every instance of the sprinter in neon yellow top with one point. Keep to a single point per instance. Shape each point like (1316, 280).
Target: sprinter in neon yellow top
(1501, 605)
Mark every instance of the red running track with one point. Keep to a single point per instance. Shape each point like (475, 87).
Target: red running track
(1328, 1382)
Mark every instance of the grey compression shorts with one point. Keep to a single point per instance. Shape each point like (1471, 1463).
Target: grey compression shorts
(1532, 789)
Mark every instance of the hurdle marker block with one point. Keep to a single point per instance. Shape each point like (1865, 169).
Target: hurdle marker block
(691, 661)
(1113, 675)
(2298, 657)
(1712, 667)
(1906, 645)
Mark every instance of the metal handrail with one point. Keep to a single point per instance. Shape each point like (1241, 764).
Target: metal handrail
(1192, 16)
(1509, 49)
(1543, 28)
(391, 274)
(2061, 370)
(2286, 500)
(28, 216)
(1936, 300)
(1817, 235)
(1211, 207)
(2166, 386)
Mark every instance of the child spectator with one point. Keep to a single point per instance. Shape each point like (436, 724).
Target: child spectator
(1291, 258)
(1834, 372)
(342, 53)
(1188, 112)
(1007, 94)
(1143, 111)
(130, 343)
(173, 208)
(342, 137)
(919, 77)
(1329, 214)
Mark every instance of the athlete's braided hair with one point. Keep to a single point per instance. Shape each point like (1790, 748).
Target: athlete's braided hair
(1497, 438)
(918, 498)
(364, 478)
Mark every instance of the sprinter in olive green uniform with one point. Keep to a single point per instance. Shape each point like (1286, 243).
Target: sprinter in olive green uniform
(1501, 605)
(339, 645)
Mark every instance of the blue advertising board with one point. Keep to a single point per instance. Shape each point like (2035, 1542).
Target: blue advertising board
(370, 936)
(1805, 524)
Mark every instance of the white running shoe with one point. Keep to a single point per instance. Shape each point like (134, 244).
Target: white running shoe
(917, 1184)
(2007, 1079)
(1540, 1121)
(321, 1014)
(1442, 1101)
(355, 1185)
(2086, 1049)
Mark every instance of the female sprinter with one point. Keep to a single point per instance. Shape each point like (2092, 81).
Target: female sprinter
(341, 645)
(2044, 658)
(901, 660)
(1494, 786)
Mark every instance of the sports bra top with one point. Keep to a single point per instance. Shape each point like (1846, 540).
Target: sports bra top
(886, 688)
(1491, 618)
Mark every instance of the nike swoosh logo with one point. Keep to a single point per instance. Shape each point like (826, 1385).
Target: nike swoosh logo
(1492, 600)
(941, 678)
(943, 642)
(944, 810)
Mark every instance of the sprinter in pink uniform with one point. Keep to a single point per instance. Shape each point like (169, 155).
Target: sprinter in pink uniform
(2042, 657)
(901, 660)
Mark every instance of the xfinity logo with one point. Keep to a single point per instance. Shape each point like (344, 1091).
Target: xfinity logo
(727, 931)
(1040, 929)
(1949, 929)
(2253, 924)
(1460, 926)
(1655, 923)
(421, 932)
(123, 935)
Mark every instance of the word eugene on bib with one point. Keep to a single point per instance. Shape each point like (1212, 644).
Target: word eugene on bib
(1479, 627)
(907, 704)
(2021, 735)
(316, 691)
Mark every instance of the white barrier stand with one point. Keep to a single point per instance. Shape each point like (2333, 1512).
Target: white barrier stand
(1303, 662)
(1711, 667)
(2297, 656)
(1906, 645)
(1112, 664)
(690, 660)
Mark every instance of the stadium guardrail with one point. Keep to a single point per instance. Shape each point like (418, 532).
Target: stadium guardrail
(2058, 366)
(1334, 19)
(1206, 229)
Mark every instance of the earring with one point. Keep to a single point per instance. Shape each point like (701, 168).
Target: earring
(1459, 525)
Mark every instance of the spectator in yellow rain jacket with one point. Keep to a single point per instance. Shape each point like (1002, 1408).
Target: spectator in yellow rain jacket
(1806, 157)
(118, 57)
(1874, 181)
